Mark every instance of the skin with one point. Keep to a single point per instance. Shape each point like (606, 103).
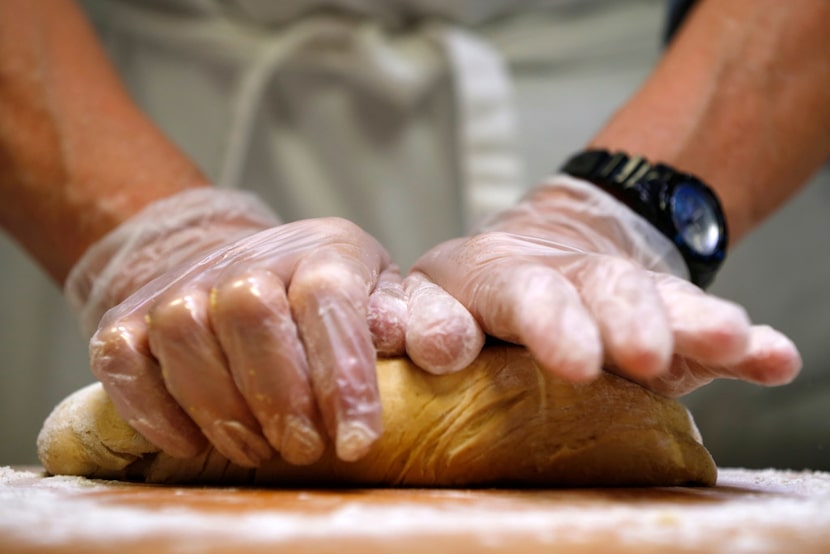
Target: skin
(743, 77)
(69, 134)
(739, 99)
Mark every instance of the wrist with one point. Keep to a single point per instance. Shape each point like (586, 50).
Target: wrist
(78, 156)
(739, 99)
(677, 204)
(575, 214)
(164, 234)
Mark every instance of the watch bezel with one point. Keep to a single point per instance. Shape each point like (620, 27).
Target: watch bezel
(699, 263)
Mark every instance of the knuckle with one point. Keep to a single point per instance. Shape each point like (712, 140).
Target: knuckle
(174, 315)
(327, 279)
(112, 343)
(603, 270)
(489, 240)
(607, 264)
(247, 300)
(339, 226)
(329, 229)
(493, 247)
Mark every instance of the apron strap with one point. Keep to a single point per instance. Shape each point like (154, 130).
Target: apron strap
(491, 171)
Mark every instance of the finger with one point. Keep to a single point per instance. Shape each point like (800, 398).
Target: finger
(441, 335)
(707, 329)
(388, 313)
(120, 358)
(329, 295)
(771, 360)
(253, 323)
(519, 301)
(684, 376)
(536, 306)
(195, 373)
(545, 310)
(629, 312)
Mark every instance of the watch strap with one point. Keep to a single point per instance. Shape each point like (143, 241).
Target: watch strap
(647, 188)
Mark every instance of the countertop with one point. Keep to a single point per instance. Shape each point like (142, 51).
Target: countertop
(748, 511)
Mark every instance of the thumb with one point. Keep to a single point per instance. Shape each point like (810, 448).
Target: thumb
(441, 335)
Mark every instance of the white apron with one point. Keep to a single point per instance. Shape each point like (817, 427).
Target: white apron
(390, 114)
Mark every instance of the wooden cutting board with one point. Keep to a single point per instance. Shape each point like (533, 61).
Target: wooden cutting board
(747, 512)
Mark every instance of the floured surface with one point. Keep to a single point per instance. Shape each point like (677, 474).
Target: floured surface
(748, 512)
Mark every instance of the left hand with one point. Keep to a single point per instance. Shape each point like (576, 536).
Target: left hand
(583, 282)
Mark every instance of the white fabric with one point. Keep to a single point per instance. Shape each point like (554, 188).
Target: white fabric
(407, 131)
(278, 12)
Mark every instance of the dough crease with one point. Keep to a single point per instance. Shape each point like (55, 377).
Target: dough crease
(500, 422)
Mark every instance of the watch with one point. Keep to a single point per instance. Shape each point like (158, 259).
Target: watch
(679, 205)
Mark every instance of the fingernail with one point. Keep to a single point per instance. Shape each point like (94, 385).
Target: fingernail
(240, 444)
(301, 443)
(354, 438)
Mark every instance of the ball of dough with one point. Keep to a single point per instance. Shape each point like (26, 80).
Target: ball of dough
(501, 421)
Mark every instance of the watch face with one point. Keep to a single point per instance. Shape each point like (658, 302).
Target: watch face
(696, 218)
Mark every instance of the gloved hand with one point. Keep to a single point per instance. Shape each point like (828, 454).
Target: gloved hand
(583, 281)
(223, 323)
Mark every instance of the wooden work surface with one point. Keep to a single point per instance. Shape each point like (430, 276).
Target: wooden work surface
(749, 511)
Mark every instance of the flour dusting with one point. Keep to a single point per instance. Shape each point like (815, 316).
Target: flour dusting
(53, 510)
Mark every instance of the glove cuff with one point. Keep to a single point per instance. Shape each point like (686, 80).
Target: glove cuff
(599, 222)
(162, 235)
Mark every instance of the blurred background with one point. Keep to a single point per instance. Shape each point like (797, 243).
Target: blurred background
(573, 64)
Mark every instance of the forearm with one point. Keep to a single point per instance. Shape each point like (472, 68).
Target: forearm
(739, 99)
(76, 155)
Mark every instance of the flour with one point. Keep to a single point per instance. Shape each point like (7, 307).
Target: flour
(54, 510)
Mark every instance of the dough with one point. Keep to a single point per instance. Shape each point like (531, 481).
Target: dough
(501, 421)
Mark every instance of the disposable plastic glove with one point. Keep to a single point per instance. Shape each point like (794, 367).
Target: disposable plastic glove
(255, 335)
(583, 281)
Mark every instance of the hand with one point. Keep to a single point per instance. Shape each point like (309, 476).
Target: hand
(260, 339)
(583, 282)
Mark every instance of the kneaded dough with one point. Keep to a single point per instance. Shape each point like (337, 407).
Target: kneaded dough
(501, 421)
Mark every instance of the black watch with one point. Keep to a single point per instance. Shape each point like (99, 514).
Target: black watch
(680, 205)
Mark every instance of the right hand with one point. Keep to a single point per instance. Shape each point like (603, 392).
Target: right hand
(585, 284)
(264, 343)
